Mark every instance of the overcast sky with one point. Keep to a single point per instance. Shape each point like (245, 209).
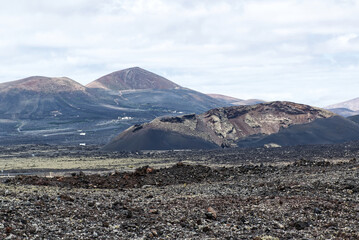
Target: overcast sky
(305, 51)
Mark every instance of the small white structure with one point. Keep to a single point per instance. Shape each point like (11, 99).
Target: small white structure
(82, 134)
(82, 144)
(124, 118)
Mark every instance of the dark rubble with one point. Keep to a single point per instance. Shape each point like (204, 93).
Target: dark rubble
(305, 199)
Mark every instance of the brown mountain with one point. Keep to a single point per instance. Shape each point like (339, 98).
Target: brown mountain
(132, 78)
(283, 123)
(44, 85)
(140, 89)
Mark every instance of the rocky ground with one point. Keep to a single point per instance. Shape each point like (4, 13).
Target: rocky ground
(298, 199)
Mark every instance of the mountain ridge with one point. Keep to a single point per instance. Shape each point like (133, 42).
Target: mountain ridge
(42, 109)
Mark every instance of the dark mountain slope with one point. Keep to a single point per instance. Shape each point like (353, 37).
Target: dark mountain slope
(158, 139)
(354, 118)
(170, 100)
(321, 131)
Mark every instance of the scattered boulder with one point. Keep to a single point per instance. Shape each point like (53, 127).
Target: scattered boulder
(211, 213)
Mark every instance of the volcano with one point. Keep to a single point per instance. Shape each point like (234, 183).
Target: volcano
(274, 123)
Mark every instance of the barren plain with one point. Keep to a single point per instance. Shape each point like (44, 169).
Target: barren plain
(62, 192)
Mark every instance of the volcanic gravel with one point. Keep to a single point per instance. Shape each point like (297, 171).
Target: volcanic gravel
(305, 199)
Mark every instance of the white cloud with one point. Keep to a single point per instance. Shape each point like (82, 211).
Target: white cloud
(304, 51)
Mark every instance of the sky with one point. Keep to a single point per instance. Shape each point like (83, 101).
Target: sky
(306, 51)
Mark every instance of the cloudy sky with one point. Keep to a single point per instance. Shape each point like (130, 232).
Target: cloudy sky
(305, 51)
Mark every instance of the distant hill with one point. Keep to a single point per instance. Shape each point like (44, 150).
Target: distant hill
(345, 112)
(227, 99)
(347, 108)
(235, 101)
(282, 123)
(249, 102)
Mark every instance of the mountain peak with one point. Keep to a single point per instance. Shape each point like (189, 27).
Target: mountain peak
(132, 79)
(43, 84)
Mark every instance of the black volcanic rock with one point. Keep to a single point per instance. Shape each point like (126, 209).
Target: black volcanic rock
(132, 78)
(282, 123)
